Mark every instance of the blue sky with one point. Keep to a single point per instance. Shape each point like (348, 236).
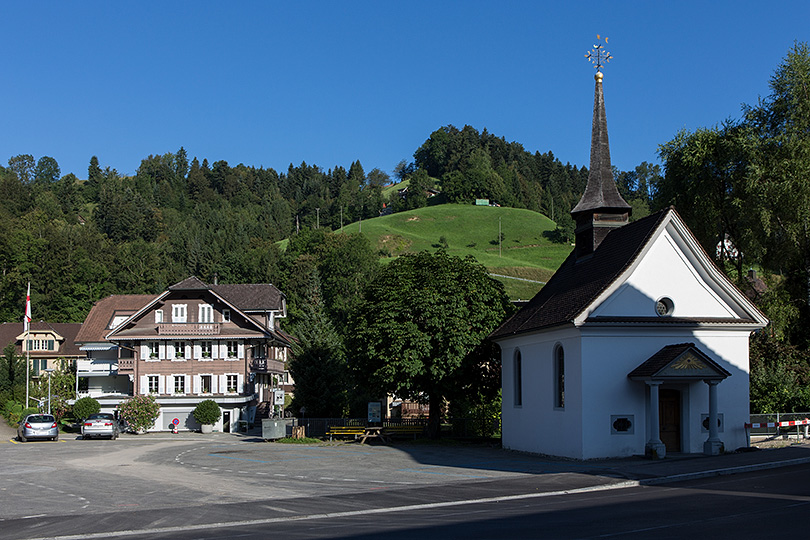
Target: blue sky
(273, 83)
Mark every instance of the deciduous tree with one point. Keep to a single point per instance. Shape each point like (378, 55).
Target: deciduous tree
(418, 323)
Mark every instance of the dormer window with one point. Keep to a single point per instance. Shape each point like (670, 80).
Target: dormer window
(226, 315)
(179, 313)
(158, 316)
(206, 314)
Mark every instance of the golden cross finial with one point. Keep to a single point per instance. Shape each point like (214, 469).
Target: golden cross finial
(598, 55)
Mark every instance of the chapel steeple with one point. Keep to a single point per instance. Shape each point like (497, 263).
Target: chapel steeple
(601, 207)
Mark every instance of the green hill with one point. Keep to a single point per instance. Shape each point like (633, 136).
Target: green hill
(523, 253)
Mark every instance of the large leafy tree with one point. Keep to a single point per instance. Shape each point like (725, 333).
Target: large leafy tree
(780, 173)
(420, 322)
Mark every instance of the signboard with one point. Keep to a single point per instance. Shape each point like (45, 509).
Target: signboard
(374, 412)
(278, 398)
(176, 421)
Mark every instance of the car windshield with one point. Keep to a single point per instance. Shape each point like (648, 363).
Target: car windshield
(101, 416)
(40, 418)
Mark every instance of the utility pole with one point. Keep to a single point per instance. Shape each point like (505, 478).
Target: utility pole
(500, 241)
(317, 218)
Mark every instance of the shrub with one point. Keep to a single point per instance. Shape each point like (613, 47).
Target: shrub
(140, 412)
(207, 412)
(84, 407)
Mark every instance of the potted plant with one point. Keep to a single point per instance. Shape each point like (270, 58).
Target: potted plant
(207, 413)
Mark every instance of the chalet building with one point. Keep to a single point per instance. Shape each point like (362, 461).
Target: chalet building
(192, 342)
(637, 345)
(48, 345)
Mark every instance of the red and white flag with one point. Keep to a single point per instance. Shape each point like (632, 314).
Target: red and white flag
(28, 308)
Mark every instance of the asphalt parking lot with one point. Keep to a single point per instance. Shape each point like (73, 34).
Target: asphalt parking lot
(159, 481)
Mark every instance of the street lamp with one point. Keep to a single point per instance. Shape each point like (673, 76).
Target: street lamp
(49, 371)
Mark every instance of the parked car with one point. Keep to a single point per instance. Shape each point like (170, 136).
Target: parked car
(100, 425)
(38, 426)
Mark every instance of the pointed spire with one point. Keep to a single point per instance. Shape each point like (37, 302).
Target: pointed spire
(601, 207)
(601, 193)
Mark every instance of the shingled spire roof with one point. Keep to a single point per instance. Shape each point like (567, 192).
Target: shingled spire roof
(601, 193)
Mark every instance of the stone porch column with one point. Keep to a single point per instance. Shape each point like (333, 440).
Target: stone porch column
(654, 449)
(713, 445)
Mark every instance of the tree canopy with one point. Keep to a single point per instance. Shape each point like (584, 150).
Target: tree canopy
(420, 320)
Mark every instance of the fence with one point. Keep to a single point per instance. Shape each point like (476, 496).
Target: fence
(452, 427)
(772, 426)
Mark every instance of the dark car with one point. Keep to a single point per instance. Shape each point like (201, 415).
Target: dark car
(100, 425)
(38, 426)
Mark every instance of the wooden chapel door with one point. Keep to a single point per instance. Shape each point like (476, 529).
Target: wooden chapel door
(669, 411)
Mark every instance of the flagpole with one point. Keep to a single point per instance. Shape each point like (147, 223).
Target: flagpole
(26, 344)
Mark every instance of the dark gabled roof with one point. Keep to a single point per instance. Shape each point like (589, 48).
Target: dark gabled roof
(673, 362)
(245, 296)
(192, 283)
(577, 283)
(251, 296)
(96, 325)
(10, 331)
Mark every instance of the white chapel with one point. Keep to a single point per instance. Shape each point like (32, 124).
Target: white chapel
(637, 345)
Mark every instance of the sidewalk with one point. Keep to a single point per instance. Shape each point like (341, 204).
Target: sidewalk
(680, 467)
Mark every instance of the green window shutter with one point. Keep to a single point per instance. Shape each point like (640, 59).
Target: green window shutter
(36, 366)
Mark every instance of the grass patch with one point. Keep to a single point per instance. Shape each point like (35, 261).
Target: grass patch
(303, 440)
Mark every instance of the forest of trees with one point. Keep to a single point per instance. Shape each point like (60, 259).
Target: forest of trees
(79, 240)
(744, 183)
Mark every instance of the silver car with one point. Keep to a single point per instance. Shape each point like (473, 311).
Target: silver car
(100, 425)
(38, 426)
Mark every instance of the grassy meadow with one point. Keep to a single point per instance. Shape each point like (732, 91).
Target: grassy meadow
(524, 253)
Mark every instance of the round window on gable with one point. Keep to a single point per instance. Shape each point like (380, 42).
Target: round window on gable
(664, 307)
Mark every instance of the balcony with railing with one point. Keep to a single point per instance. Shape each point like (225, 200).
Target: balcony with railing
(266, 365)
(189, 329)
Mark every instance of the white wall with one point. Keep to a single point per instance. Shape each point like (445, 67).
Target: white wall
(537, 426)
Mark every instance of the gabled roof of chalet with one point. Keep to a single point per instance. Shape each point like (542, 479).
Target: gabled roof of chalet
(96, 325)
(192, 283)
(9, 332)
(251, 296)
(245, 296)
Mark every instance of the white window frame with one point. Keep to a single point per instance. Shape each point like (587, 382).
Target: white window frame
(179, 351)
(203, 346)
(159, 316)
(210, 383)
(153, 351)
(227, 389)
(226, 315)
(179, 381)
(153, 379)
(179, 313)
(232, 350)
(205, 313)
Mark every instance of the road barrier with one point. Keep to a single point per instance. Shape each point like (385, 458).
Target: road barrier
(777, 425)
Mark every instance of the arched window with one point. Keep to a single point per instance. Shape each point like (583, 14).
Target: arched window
(517, 378)
(559, 377)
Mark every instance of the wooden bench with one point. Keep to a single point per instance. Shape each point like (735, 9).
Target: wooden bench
(404, 431)
(345, 431)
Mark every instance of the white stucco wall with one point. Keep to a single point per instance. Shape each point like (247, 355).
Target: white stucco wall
(537, 425)
(598, 388)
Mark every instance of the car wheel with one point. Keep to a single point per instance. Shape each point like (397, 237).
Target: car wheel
(23, 439)
(56, 438)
